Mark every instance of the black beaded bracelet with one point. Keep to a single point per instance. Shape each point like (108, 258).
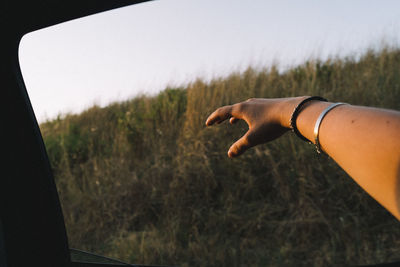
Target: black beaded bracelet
(296, 112)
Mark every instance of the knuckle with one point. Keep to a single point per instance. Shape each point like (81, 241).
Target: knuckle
(240, 107)
(224, 110)
(245, 142)
(236, 148)
(219, 112)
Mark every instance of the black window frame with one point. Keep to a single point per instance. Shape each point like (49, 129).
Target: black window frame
(30, 213)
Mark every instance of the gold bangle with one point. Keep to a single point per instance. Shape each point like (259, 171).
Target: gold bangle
(318, 124)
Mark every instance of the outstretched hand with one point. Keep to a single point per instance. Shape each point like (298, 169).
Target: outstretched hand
(263, 116)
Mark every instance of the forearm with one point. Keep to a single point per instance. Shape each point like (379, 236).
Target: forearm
(364, 142)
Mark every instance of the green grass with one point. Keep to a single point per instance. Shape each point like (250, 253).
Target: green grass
(146, 182)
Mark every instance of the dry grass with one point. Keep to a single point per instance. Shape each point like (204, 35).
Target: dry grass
(146, 182)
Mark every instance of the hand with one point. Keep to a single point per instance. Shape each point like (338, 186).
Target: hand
(266, 119)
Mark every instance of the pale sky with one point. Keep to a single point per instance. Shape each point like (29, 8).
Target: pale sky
(143, 48)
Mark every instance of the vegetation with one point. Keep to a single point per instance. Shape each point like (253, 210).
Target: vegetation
(146, 182)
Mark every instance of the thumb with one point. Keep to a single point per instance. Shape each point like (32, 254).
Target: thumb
(241, 145)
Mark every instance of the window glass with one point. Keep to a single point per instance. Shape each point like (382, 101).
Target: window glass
(85, 257)
(122, 97)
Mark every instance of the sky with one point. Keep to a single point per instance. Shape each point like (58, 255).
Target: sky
(141, 49)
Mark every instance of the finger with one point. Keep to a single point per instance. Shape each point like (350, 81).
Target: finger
(240, 146)
(233, 120)
(219, 115)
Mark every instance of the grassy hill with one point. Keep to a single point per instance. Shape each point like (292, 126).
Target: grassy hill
(146, 182)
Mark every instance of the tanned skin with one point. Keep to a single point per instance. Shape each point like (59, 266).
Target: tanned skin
(364, 141)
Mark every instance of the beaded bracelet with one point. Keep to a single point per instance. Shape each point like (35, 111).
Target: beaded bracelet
(296, 112)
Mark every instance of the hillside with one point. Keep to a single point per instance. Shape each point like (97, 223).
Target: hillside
(146, 182)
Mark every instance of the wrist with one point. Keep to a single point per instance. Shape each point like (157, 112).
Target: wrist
(286, 107)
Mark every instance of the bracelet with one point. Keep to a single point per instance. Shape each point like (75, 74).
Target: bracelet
(318, 124)
(296, 112)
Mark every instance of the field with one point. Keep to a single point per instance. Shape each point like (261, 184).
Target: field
(146, 182)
